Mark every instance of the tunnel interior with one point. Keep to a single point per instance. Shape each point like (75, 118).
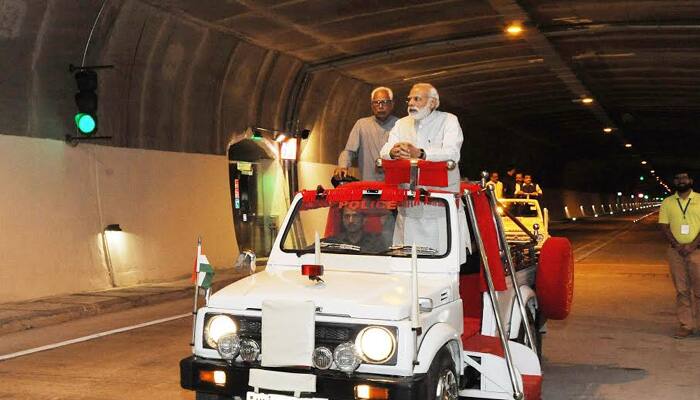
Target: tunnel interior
(593, 98)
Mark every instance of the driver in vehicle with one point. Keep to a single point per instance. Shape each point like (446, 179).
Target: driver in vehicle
(353, 233)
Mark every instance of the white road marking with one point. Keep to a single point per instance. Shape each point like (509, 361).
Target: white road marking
(591, 243)
(90, 337)
(615, 236)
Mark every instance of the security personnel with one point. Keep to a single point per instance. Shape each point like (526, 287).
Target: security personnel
(679, 218)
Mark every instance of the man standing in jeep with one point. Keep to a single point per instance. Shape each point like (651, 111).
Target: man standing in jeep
(367, 137)
(528, 189)
(427, 134)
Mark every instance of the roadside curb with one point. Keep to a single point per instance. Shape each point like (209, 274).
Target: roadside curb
(20, 316)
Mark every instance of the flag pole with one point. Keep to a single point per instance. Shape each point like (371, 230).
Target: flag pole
(196, 289)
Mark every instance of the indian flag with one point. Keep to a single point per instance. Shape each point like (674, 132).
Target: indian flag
(203, 273)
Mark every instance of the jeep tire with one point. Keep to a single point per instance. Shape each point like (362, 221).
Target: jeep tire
(442, 378)
(536, 333)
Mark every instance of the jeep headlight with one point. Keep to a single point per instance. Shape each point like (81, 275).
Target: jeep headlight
(218, 326)
(376, 344)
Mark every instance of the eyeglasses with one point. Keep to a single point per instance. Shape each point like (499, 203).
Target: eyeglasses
(381, 102)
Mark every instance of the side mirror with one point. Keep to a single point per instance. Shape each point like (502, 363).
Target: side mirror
(246, 261)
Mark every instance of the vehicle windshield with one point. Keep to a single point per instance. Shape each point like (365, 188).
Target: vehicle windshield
(370, 226)
(519, 208)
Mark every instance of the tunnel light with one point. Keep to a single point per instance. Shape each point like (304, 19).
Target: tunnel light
(587, 100)
(607, 130)
(514, 29)
(288, 150)
(628, 145)
(644, 162)
(652, 171)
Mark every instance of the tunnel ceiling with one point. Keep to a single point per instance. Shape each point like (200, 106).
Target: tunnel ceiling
(638, 60)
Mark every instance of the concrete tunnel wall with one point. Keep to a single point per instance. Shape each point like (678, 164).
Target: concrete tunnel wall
(178, 95)
(180, 92)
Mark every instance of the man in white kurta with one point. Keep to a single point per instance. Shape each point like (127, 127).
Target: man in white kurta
(432, 135)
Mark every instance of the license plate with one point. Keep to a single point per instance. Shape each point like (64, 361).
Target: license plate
(265, 396)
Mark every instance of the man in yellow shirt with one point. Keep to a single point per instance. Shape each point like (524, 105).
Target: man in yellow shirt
(679, 217)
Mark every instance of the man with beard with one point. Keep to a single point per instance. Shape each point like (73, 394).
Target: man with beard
(518, 181)
(428, 134)
(367, 137)
(679, 217)
(353, 232)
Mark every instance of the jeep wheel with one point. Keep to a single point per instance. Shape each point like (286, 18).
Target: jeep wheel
(536, 333)
(442, 380)
(209, 396)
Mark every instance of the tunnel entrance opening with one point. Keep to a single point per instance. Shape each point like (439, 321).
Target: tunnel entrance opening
(258, 194)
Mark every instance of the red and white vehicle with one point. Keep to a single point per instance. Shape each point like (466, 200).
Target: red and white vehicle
(376, 291)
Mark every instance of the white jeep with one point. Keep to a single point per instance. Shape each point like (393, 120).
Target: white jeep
(376, 291)
(523, 220)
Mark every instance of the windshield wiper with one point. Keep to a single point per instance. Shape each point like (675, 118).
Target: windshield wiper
(402, 249)
(340, 246)
(329, 246)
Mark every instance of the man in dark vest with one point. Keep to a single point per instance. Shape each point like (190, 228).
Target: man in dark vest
(528, 189)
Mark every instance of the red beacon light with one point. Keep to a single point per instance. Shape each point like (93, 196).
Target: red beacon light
(313, 271)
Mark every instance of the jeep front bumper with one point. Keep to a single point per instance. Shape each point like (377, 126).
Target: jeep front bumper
(330, 384)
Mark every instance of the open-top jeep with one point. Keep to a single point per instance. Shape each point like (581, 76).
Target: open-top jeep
(524, 213)
(377, 290)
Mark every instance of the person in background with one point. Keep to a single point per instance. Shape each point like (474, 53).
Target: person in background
(528, 189)
(367, 137)
(508, 181)
(679, 218)
(518, 182)
(497, 185)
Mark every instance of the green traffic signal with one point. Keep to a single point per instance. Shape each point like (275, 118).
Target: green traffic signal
(85, 123)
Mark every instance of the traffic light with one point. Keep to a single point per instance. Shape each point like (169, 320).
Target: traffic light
(86, 100)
